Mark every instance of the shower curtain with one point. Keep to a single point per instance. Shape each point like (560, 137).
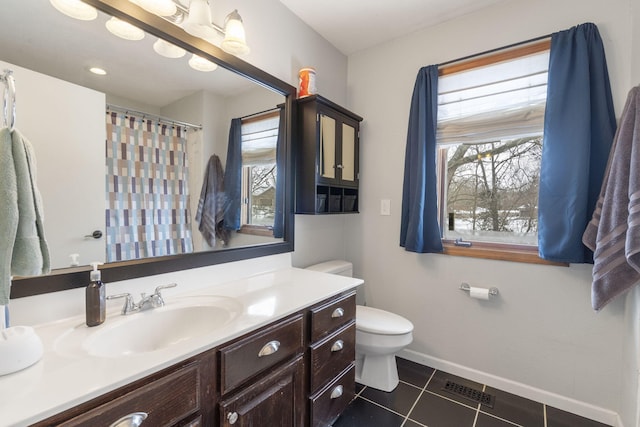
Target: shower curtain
(148, 211)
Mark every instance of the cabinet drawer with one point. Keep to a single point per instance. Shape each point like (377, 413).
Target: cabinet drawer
(332, 355)
(166, 401)
(249, 356)
(330, 316)
(331, 401)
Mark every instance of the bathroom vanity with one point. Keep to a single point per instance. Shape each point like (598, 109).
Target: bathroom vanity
(285, 354)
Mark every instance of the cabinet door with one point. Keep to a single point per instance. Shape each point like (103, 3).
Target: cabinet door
(327, 148)
(349, 160)
(276, 400)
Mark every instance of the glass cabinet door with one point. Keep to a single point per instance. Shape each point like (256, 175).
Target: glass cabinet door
(327, 147)
(348, 164)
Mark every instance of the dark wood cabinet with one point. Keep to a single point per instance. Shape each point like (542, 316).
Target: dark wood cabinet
(331, 359)
(262, 377)
(182, 395)
(295, 372)
(327, 157)
(276, 399)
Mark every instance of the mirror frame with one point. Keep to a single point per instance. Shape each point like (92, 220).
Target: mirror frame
(71, 278)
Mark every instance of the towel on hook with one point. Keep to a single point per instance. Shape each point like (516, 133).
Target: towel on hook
(23, 247)
(613, 233)
(210, 213)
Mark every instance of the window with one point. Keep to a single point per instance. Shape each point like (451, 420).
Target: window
(489, 138)
(259, 172)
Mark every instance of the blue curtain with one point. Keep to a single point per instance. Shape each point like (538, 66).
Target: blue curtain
(233, 177)
(419, 230)
(281, 152)
(579, 127)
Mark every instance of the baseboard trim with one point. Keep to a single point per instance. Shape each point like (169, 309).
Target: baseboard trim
(568, 404)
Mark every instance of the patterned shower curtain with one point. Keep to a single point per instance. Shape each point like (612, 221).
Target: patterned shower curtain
(148, 210)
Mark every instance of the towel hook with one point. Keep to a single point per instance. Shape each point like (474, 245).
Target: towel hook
(9, 99)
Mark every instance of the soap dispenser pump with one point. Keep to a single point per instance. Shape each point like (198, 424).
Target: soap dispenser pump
(95, 297)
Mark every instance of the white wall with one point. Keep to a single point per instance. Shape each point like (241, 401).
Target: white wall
(630, 405)
(49, 113)
(541, 332)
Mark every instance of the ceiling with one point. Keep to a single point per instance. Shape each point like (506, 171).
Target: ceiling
(353, 25)
(36, 36)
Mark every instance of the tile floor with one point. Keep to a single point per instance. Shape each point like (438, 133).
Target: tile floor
(419, 400)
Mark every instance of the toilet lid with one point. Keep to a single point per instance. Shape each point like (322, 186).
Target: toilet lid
(376, 321)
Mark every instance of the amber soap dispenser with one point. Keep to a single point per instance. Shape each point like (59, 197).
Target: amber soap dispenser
(95, 298)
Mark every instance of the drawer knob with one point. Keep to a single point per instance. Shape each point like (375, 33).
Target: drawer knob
(232, 417)
(269, 348)
(336, 392)
(337, 346)
(338, 312)
(131, 420)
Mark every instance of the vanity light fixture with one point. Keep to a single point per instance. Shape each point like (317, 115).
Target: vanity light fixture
(234, 38)
(124, 30)
(157, 7)
(75, 9)
(198, 22)
(201, 64)
(168, 50)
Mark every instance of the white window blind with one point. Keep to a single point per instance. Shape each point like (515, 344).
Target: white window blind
(494, 102)
(259, 140)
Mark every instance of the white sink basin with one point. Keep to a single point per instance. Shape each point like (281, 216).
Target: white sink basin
(179, 320)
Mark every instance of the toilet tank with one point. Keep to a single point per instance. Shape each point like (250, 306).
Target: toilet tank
(337, 266)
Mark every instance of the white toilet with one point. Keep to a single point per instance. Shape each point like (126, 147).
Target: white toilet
(379, 336)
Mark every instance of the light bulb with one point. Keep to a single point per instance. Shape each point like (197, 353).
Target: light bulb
(76, 9)
(201, 64)
(124, 30)
(168, 50)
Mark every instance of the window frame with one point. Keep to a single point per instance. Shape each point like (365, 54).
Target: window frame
(487, 250)
(245, 226)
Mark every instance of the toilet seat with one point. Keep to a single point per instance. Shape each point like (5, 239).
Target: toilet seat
(376, 321)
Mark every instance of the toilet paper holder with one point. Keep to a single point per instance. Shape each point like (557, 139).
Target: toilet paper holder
(492, 291)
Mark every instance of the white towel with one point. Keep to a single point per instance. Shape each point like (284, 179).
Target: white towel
(613, 234)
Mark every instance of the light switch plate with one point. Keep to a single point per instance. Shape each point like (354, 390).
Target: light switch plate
(385, 207)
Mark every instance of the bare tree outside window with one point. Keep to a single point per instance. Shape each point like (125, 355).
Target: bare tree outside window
(492, 190)
(262, 195)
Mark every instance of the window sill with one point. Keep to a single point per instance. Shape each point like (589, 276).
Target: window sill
(499, 252)
(256, 230)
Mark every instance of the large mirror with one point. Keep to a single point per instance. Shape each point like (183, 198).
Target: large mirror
(88, 187)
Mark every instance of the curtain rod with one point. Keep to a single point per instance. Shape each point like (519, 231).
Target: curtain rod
(475, 55)
(152, 116)
(259, 113)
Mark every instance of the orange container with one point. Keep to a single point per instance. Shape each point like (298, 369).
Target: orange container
(307, 78)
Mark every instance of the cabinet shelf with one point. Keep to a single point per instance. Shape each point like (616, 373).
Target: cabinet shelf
(327, 159)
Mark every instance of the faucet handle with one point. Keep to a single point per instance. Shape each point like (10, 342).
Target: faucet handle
(158, 296)
(170, 285)
(128, 302)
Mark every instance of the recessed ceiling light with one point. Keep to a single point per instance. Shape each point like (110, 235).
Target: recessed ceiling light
(99, 71)
(124, 30)
(75, 9)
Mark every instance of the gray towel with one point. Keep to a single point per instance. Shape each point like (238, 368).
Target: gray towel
(23, 248)
(8, 213)
(613, 234)
(210, 213)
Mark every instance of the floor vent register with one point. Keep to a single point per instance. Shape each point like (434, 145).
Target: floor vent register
(469, 393)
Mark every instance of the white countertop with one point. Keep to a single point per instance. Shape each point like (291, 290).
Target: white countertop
(62, 380)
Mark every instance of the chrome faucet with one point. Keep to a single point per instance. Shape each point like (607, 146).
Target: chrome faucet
(146, 302)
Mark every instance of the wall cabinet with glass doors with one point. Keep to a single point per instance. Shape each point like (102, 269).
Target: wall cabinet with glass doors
(327, 159)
